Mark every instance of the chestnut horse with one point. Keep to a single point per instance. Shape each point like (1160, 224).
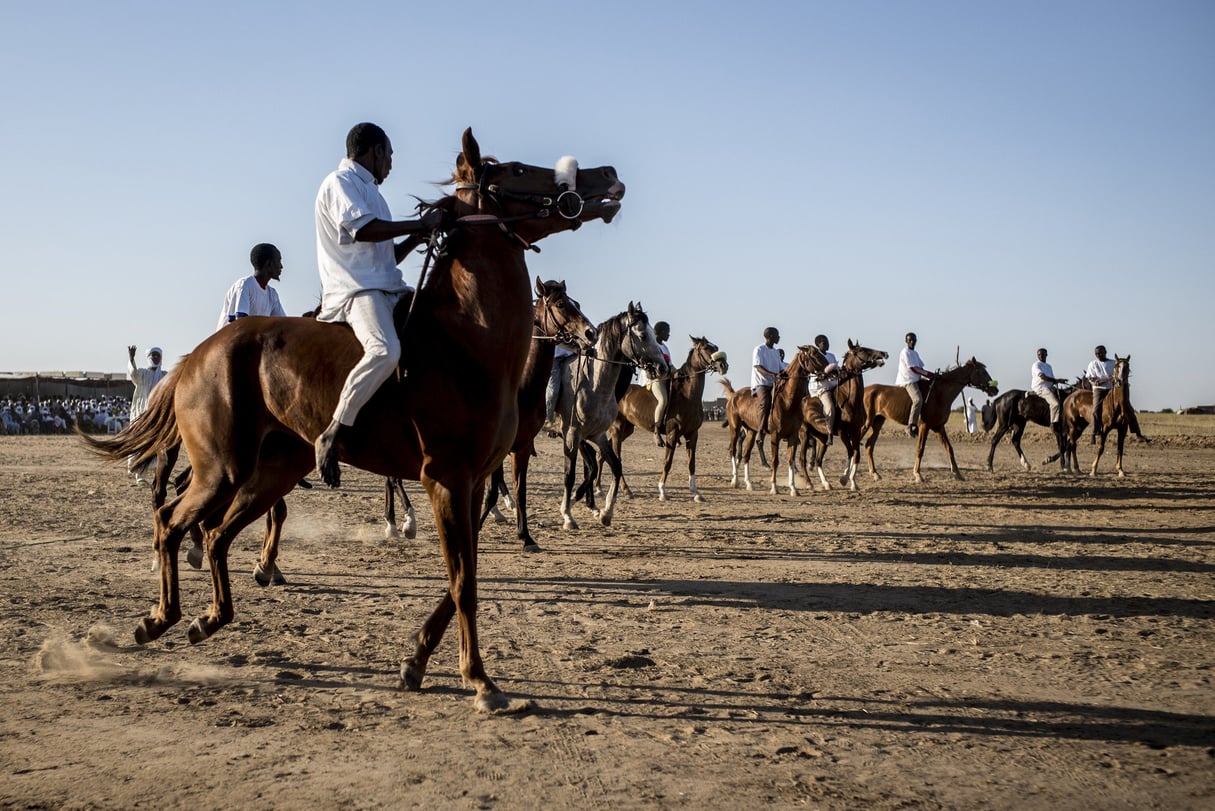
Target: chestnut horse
(248, 403)
(884, 402)
(586, 404)
(743, 415)
(1117, 414)
(850, 416)
(685, 412)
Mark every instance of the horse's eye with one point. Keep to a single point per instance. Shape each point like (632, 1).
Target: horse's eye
(519, 170)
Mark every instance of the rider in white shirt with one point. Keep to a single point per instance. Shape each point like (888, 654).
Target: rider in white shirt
(253, 295)
(824, 387)
(1042, 382)
(911, 372)
(1100, 373)
(766, 364)
(660, 386)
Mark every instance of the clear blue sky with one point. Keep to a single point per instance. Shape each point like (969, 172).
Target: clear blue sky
(992, 176)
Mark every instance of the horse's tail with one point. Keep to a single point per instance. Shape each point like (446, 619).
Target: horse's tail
(153, 432)
(725, 417)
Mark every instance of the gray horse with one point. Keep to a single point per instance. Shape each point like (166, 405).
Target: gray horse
(587, 403)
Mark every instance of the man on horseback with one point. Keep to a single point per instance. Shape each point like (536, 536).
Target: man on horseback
(360, 280)
(253, 295)
(911, 372)
(824, 387)
(659, 383)
(1100, 373)
(1042, 382)
(766, 365)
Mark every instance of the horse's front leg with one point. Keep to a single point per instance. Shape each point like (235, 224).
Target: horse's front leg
(774, 441)
(668, 457)
(921, 438)
(792, 467)
(520, 460)
(1121, 441)
(454, 504)
(748, 444)
(1097, 457)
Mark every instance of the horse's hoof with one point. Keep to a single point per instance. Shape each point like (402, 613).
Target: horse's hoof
(411, 677)
(272, 578)
(142, 637)
(605, 519)
(662, 496)
(698, 498)
(569, 523)
(196, 633)
(390, 533)
(497, 703)
(195, 557)
(532, 547)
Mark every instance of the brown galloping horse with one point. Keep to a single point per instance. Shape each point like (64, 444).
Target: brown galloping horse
(743, 415)
(684, 416)
(1117, 414)
(850, 416)
(248, 403)
(884, 402)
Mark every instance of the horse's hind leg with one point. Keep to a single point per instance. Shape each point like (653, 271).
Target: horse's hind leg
(613, 462)
(875, 430)
(172, 522)
(266, 572)
(691, 441)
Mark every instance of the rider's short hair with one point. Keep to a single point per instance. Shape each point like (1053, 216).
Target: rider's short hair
(262, 254)
(771, 333)
(821, 339)
(910, 335)
(1099, 350)
(363, 137)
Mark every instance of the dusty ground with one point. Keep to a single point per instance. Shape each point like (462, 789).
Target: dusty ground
(1012, 640)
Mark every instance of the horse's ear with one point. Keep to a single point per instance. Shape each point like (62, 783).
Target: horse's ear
(632, 310)
(851, 345)
(539, 287)
(471, 150)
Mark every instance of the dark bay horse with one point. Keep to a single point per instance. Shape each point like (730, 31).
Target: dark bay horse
(1117, 414)
(850, 416)
(1012, 411)
(249, 402)
(884, 402)
(685, 412)
(569, 326)
(586, 404)
(743, 415)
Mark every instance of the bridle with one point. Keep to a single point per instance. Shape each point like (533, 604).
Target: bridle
(566, 202)
(562, 333)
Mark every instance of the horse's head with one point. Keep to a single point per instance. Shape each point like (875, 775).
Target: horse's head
(1122, 370)
(980, 379)
(636, 340)
(861, 358)
(809, 360)
(706, 357)
(535, 201)
(560, 317)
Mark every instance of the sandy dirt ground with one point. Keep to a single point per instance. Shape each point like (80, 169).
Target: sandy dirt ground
(1012, 640)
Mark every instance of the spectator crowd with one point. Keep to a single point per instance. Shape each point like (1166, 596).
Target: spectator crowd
(57, 415)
